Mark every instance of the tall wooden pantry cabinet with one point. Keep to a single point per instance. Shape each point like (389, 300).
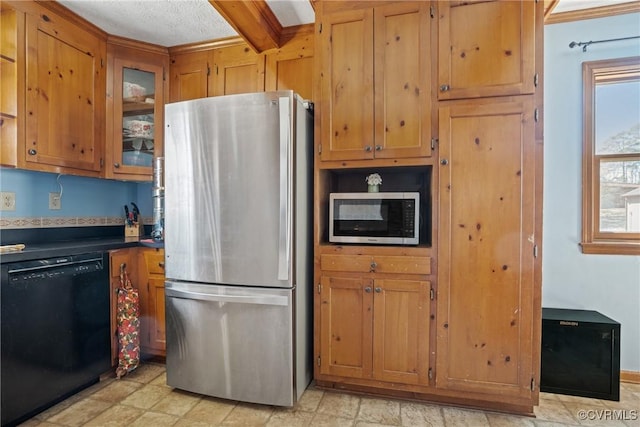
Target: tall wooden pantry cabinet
(455, 318)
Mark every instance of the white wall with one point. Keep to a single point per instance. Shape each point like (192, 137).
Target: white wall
(570, 279)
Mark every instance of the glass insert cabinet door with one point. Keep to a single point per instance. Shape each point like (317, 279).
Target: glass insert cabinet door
(138, 117)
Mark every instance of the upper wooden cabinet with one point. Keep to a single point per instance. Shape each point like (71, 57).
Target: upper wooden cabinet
(237, 69)
(291, 67)
(135, 110)
(189, 76)
(375, 98)
(65, 95)
(11, 23)
(486, 48)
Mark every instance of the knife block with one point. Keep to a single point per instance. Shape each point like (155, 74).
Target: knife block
(132, 231)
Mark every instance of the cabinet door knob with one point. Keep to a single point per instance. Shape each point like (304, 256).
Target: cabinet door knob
(444, 162)
(444, 88)
(367, 148)
(378, 290)
(378, 147)
(368, 289)
(32, 152)
(116, 165)
(373, 264)
(161, 264)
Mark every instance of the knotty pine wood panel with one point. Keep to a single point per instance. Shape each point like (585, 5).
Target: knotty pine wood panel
(346, 105)
(486, 48)
(402, 80)
(346, 326)
(486, 260)
(401, 331)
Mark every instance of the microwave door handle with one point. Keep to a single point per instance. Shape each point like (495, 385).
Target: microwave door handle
(284, 217)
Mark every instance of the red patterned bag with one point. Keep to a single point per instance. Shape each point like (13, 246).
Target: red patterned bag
(128, 322)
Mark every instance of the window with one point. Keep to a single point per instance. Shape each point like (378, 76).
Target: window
(611, 157)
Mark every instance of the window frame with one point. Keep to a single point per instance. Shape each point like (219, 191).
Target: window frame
(595, 241)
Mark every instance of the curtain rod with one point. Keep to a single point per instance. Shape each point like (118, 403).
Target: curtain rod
(585, 44)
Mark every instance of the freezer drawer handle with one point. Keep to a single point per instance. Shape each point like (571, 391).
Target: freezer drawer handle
(242, 299)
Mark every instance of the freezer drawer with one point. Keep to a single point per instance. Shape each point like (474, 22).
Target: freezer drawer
(231, 342)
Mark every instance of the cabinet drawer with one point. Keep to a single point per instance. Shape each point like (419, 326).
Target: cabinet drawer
(376, 263)
(154, 261)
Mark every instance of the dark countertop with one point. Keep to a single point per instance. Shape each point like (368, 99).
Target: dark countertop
(66, 241)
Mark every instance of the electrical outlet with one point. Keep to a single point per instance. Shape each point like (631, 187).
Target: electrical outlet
(54, 201)
(7, 201)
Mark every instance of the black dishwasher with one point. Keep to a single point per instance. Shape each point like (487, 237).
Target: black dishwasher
(54, 332)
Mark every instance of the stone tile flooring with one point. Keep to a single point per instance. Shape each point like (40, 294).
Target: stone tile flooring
(142, 398)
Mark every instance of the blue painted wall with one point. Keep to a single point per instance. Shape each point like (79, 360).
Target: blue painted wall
(81, 197)
(570, 279)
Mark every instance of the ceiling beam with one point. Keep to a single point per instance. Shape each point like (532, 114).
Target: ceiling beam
(253, 20)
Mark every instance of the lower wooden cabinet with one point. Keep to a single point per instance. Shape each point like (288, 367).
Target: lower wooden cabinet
(118, 259)
(374, 328)
(152, 314)
(145, 267)
(373, 311)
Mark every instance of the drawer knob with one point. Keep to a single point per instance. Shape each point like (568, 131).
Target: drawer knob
(373, 265)
(444, 162)
(161, 264)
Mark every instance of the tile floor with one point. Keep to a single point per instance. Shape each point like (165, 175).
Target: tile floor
(142, 398)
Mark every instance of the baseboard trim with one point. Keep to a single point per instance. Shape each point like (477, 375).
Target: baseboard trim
(630, 377)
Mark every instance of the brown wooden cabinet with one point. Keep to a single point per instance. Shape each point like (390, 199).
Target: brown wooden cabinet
(237, 69)
(374, 81)
(189, 76)
(470, 318)
(486, 48)
(231, 67)
(152, 311)
(487, 249)
(11, 28)
(374, 315)
(118, 259)
(65, 95)
(136, 90)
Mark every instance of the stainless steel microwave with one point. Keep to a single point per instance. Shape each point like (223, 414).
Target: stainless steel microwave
(374, 218)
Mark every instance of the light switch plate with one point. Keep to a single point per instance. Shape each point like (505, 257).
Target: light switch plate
(7, 201)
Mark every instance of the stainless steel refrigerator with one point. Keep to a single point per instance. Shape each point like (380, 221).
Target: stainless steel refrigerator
(238, 246)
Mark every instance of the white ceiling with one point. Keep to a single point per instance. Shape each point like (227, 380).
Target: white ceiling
(176, 22)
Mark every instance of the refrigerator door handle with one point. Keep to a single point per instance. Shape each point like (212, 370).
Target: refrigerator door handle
(242, 299)
(284, 234)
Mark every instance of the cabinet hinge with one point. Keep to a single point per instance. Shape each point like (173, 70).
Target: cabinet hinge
(318, 360)
(164, 75)
(434, 141)
(430, 373)
(432, 294)
(535, 80)
(319, 148)
(536, 115)
(535, 251)
(320, 30)
(533, 384)
(208, 70)
(432, 11)
(216, 69)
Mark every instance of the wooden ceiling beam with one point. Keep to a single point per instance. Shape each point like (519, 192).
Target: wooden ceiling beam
(253, 20)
